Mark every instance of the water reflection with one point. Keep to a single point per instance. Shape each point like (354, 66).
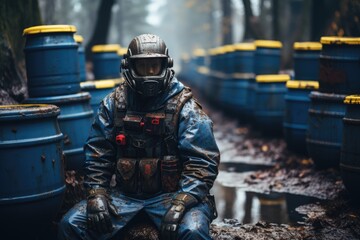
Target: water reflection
(251, 207)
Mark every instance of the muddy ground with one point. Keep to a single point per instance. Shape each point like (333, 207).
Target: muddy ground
(254, 163)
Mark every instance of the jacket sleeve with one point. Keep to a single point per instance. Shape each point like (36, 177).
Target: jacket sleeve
(100, 149)
(198, 151)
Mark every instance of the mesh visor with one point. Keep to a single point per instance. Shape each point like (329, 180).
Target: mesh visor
(149, 66)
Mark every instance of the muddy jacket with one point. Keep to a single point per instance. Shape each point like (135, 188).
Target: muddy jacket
(138, 158)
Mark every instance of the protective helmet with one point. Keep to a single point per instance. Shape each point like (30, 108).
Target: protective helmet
(146, 66)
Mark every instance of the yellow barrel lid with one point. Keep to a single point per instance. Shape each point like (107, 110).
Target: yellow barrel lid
(49, 29)
(302, 84)
(268, 43)
(228, 48)
(78, 38)
(340, 40)
(106, 48)
(307, 46)
(352, 99)
(199, 52)
(98, 84)
(122, 51)
(273, 78)
(244, 46)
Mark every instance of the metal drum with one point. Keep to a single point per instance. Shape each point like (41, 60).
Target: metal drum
(75, 121)
(267, 57)
(98, 90)
(297, 103)
(81, 57)
(106, 61)
(269, 105)
(339, 65)
(51, 60)
(32, 171)
(350, 151)
(325, 128)
(306, 60)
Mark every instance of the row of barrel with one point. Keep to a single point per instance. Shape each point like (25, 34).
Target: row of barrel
(45, 135)
(315, 106)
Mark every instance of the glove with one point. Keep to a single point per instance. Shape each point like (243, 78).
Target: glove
(98, 209)
(173, 216)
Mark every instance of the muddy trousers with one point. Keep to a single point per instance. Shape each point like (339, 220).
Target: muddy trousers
(194, 225)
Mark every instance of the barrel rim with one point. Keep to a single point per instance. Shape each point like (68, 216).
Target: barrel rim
(122, 51)
(300, 84)
(25, 111)
(199, 52)
(315, 95)
(49, 29)
(352, 99)
(99, 84)
(340, 40)
(77, 97)
(268, 43)
(272, 78)
(105, 48)
(78, 38)
(244, 46)
(316, 46)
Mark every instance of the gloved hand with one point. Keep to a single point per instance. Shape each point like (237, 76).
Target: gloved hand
(98, 209)
(170, 222)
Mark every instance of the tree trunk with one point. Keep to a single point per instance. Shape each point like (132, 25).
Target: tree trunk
(226, 22)
(252, 24)
(15, 16)
(102, 26)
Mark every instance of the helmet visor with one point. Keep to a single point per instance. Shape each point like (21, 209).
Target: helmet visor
(149, 66)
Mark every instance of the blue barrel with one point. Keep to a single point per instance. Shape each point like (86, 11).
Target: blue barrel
(269, 105)
(250, 99)
(267, 57)
(325, 128)
(75, 121)
(51, 60)
(297, 103)
(350, 150)
(339, 65)
(32, 171)
(98, 90)
(306, 60)
(106, 61)
(81, 57)
(244, 57)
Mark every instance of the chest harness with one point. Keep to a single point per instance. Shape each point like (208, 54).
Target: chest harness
(148, 162)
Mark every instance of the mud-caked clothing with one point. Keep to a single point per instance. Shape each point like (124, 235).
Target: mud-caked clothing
(156, 147)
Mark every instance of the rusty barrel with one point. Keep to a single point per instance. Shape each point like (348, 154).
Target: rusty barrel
(350, 151)
(325, 128)
(32, 171)
(297, 103)
(339, 65)
(75, 121)
(51, 60)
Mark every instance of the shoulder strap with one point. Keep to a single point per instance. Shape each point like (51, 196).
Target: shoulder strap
(172, 111)
(120, 107)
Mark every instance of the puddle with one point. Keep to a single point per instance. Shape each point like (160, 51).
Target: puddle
(252, 207)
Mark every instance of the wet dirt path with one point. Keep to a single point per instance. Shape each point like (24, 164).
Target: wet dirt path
(263, 191)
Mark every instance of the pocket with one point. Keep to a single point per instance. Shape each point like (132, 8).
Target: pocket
(126, 175)
(170, 173)
(150, 175)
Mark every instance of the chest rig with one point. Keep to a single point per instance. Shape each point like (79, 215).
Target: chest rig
(147, 152)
